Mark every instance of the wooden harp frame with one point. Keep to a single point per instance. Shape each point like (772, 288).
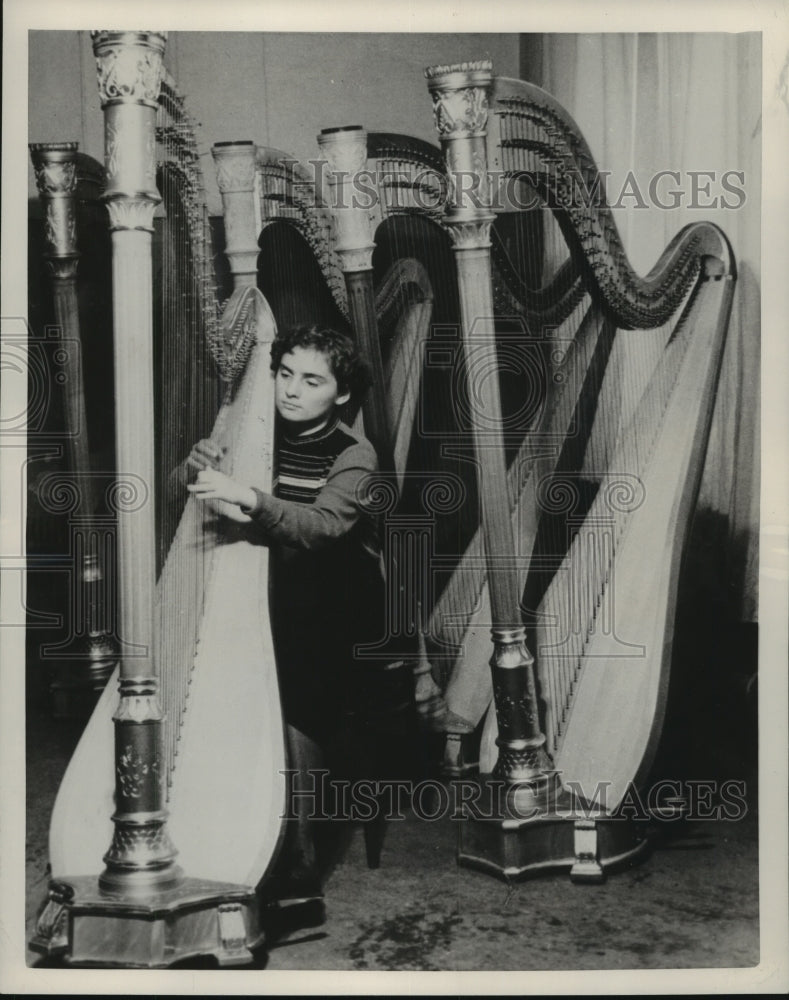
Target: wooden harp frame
(142, 909)
(602, 701)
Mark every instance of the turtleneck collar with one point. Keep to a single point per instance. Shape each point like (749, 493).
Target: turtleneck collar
(302, 439)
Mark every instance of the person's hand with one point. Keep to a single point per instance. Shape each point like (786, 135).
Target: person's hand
(214, 485)
(206, 454)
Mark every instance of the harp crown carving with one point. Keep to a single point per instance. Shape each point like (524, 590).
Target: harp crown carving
(129, 65)
(460, 95)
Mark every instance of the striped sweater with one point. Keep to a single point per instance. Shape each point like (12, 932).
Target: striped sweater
(327, 586)
(318, 490)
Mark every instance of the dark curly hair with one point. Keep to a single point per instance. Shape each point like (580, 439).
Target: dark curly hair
(347, 365)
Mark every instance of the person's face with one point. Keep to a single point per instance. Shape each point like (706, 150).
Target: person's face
(306, 390)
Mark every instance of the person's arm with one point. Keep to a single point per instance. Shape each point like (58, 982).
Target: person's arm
(337, 507)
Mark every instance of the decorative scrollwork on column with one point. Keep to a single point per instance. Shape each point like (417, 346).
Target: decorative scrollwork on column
(55, 168)
(129, 65)
(461, 95)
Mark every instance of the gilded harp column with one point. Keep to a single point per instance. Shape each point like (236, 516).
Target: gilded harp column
(141, 911)
(55, 165)
(524, 771)
(141, 857)
(235, 174)
(89, 651)
(345, 150)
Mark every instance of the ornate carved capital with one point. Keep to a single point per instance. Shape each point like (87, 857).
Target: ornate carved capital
(129, 65)
(460, 97)
(55, 166)
(460, 106)
(345, 150)
(131, 213)
(360, 259)
(470, 235)
(235, 166)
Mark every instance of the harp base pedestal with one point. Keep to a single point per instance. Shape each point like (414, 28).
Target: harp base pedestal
(81, 925)
(562, 834)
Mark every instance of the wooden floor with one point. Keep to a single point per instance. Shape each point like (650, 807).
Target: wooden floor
(693, 903)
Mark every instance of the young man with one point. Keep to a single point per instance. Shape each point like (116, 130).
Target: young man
(327, 584)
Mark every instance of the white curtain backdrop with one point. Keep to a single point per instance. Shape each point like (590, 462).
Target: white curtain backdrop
(687, 103)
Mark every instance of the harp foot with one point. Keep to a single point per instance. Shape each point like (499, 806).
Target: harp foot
(51, 937)
(85, 926)
(586, 868)
(556, 834)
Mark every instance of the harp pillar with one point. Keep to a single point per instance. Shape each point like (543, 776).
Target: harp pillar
(235, 175)
(141, 911)
(90, 654)
(345, 150)
(350, 190)
(460, 102)
(524, 793)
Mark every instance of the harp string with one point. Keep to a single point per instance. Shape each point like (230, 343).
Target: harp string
(294, 212)
(605, 381)
(188, 395)
(586, 577)
(572, 599)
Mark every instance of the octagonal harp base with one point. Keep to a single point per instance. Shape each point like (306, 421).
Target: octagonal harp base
(515, 841)
(81, 925)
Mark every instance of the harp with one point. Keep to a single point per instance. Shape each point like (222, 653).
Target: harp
(222, 750)
(602, 477)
